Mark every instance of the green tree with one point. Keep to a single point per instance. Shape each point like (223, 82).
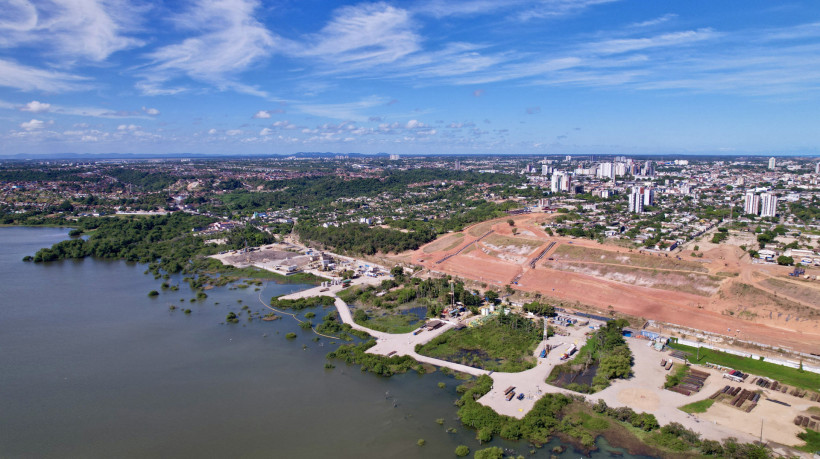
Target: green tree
(785, 261)
(360, 316)
(462, 450)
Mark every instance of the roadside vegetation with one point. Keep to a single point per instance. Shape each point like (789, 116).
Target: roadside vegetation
(604, 357)
(785, 375)
(506, 342)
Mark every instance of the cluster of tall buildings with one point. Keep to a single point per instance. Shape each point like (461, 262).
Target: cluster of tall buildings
(764, 204)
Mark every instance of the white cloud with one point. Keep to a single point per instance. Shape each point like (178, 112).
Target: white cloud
(363, 36)
(27, 78)
(230, 41)
(35, 107)
(233, 132)
(266, 131)
(261, 114)
(150, 111)
(284, 125)
(557, 8)
(343, 111)
(32, 125)
(87, 29)
(212, 131)
(623, 45)
(128, 127)
(656, 21)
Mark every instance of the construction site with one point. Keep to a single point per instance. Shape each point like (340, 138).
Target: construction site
(721, 297)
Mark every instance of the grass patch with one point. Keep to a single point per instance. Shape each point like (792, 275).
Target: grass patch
(697, 407)
(392, 322)
(504, 343)
(812, 439)
(786, 375)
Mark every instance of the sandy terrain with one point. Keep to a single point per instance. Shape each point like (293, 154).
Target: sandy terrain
(770, 313)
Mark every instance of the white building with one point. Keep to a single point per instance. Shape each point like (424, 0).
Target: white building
(817, 168)
(560, 182)
(606, 170)
(751, 204)
(772, 163)
(648, 196)
(620, 169)
(636, 201)
(769, 205)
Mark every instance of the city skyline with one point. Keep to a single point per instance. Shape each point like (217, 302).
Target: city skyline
(474, 77)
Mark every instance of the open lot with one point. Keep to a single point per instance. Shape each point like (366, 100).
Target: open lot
(628, 257)
(678, 281)
(674, 288)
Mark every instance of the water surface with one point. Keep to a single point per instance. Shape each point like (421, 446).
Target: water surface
(90, 366)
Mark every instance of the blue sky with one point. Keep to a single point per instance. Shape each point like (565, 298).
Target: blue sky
(472, 76)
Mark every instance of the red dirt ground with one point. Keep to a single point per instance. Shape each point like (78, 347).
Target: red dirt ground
(673, 307)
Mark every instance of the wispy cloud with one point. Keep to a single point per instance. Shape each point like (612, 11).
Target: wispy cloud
(229, 40)
(71, 29)
(352, 111)
(27, 78)
(362, 36)
(558, 8)
(656, 21)
(623, 45)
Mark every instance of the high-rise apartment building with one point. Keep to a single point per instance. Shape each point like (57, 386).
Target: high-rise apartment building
(769, 205)
(636, 201)
(752, 204)
(648, 196)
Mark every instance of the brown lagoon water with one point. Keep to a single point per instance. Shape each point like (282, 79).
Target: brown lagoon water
(90, 366)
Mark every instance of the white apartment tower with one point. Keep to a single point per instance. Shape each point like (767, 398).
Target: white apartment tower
(769, 205)
(555, 182)
(772, 162)
(648, 196)
(636, 201)
(752, 204)
(606, 170)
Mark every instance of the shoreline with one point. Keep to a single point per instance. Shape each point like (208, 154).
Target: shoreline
(644, 393)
